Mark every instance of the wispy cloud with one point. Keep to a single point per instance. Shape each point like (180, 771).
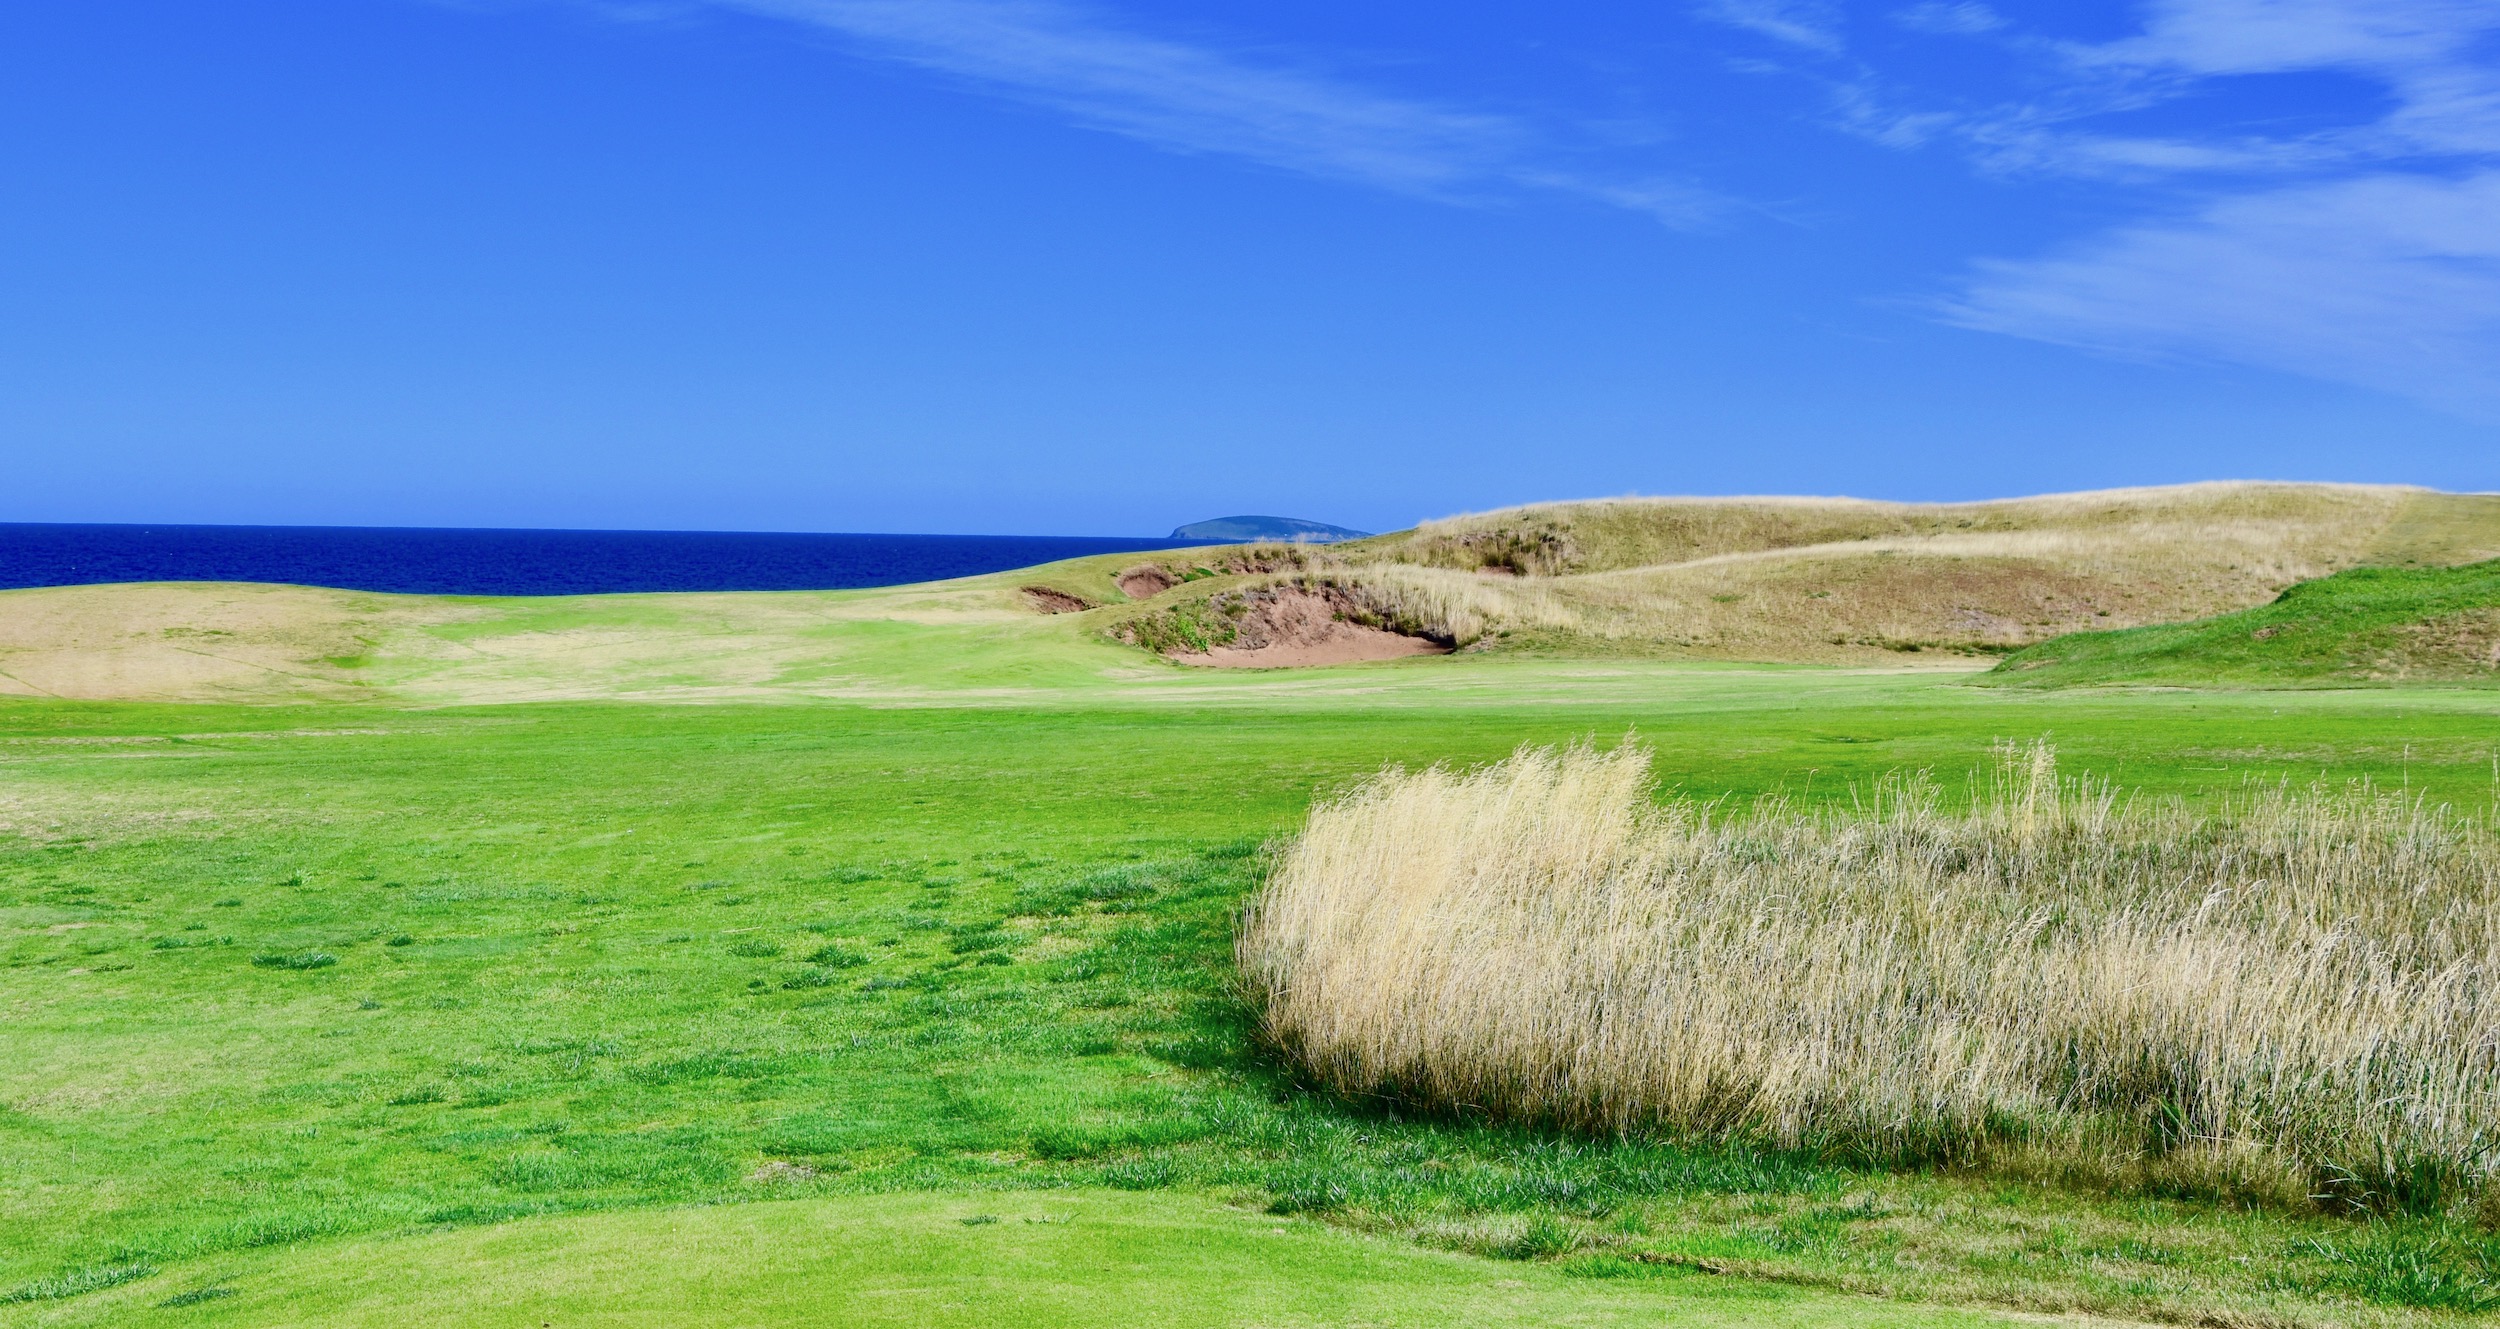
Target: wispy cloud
(1811, 24)
(2433, 59)
(2390, 282)
(2365, 252)
(1937, 16)
(2353, 250)
(1190, 97)
(2275, 36)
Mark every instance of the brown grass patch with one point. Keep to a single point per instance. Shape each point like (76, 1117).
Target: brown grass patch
(193, 641)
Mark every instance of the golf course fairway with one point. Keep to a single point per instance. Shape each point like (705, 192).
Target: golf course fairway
(625, 1012)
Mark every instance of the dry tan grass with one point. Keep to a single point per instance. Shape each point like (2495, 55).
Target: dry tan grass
(2295, 994)
(209, 641)
(1848, 580)
(189, 641)
(1606, 535)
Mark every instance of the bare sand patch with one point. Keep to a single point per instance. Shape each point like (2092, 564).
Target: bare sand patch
(1050, 601)
(1284, 627)
(1145, 581)
(1360, 645)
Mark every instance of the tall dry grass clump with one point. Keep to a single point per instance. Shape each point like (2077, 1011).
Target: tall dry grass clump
(2293, 993)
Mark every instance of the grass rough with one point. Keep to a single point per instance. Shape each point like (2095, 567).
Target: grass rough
(2290, 996)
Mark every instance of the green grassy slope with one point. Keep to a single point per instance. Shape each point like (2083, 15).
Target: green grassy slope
(609, 959)
(2368, 626)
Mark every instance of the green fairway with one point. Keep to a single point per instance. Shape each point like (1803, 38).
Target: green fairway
(1080, 1258)
(298, 996)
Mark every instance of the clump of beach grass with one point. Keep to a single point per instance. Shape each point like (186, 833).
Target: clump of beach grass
(2291, 994)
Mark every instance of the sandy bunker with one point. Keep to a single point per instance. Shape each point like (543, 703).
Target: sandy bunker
(1290, 626)
(1049, 601)
(1145, 581)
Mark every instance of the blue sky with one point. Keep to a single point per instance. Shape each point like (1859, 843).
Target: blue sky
(1099, 268)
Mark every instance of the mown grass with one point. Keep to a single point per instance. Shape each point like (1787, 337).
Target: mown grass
(2364, 627)
(1061, 1259)
(606, 959)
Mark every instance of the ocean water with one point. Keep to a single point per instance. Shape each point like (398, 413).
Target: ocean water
(441, 561)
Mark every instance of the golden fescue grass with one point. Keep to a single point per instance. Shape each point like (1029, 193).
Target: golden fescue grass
(1845, 580)
(2294, 995)
(1605, 535)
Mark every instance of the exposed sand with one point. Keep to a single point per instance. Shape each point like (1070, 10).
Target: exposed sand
(1352, 647)
(1288, 626)
(1049, 601)
(1145, 582)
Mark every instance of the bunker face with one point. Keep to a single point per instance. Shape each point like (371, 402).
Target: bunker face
(1049, 601)
(1290, 626)
(1146, 582)
(1353, 647)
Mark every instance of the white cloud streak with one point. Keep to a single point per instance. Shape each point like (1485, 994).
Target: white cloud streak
(2390, 282)
(1190, 98)
(2278, 36)
(2362, 253)
(2366, 254)
(1965, 19)
(1811, 24)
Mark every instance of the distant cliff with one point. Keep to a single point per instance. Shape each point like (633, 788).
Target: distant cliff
(1229, 529)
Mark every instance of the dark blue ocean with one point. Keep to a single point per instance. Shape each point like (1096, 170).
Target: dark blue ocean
(440, 561)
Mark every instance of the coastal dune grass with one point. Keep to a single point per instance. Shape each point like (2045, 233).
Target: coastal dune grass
(1840, 580)
(2285, 996)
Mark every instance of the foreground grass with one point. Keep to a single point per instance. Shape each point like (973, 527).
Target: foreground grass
(1059, 1260)
(2286, 996)
(588, 961)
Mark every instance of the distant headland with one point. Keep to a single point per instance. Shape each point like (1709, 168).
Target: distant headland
(1265, 528)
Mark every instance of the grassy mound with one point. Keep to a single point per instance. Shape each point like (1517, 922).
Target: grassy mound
(1849, 581)
(2381, 524)
(1082, 1259)
(2363, 626)
(1832, 581)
